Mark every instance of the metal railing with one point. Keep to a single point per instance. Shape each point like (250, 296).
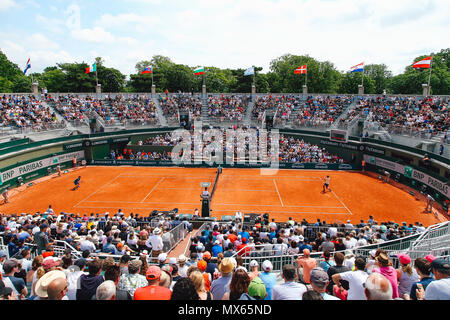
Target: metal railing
(279, 258)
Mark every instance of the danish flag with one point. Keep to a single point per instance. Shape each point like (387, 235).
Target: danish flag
(300, 70)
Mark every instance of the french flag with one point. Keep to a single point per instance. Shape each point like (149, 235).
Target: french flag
(357, 68)
(147, 69)
(27, 67)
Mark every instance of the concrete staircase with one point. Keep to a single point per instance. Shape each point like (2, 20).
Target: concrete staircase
(248, 114)
(205, 110)
(162, 119)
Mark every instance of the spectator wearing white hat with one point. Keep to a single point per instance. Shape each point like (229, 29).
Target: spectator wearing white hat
(182, 265)
(155, 242)
(162, 259)
(269, 278)
(254, 270)
(45, 282)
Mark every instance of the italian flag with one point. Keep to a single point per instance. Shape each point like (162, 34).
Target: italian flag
(92, 68)
(199, 71)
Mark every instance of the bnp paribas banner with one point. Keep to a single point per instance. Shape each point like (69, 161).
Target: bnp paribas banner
(39, 164)
(410, 172)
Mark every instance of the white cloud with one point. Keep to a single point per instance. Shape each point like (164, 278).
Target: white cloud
(6, 4)
(96, 34)
(53, 25)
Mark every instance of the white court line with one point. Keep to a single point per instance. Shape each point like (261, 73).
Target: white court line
(341, 202)
(231, 210)
(289, 212)
(219, 204)
(335, 195)
(256, 176)
(97, 190)
(153, 188)
(278, 192)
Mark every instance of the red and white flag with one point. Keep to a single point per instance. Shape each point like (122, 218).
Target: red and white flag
(300, 70)
(424, 63)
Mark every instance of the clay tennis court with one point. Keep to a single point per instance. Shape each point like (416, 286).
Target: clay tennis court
(288, 193)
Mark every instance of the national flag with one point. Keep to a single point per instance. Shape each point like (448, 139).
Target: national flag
(27, 67)
(300, 70)
(424, 63)
(199, 71)
(92, 68)
(147, 69)
(357, 68)
(249, 71)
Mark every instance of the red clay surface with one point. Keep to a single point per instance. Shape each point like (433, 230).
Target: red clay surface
(288, 193)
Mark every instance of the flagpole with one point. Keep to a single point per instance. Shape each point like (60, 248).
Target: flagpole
(429, 75)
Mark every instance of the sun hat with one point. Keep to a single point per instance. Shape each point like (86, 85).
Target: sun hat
(226, 266)
(43, 283)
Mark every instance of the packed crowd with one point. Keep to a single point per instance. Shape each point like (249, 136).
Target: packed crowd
(227, 108)
(294, 150)
(73, 107)
(427, 115)
(321, 110)
(20, 111)
(291, 150)
(130, 154)
(214, 268)
(135, 108)
(171, 106)
(283, 105)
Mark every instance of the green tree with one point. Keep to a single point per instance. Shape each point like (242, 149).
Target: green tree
(380, 74)
(350, 81)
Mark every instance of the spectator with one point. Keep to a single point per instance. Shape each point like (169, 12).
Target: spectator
(319, 282)
(378, 287)
(257, 289)
(113, 274)
(238, 286)
(406, 275)
(166, 277)
(184, 289)
(153, 291)
(57, 289)
(327, 262)
(88, 283)
(182, 265)
(356, 280)
(312, 295)
(132, 280)
(123, 263)
(106, 291)
(41, 239)
(306, 264)
(269, 278)
(220, 286)
(290, 289)
(440, 288)
(199, 283)
(384, 266)
(10, 267)
(423, 269)
(254, 269)
(338, 268)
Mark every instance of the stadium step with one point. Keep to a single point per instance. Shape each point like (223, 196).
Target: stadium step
(159, 112)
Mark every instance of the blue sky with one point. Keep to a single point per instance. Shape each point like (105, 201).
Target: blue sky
(222, 33)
